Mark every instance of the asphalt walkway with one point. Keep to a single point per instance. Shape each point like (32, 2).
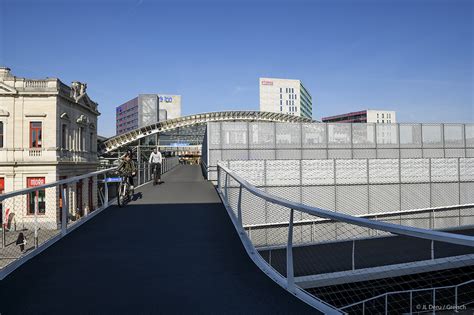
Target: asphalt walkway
(174, 250)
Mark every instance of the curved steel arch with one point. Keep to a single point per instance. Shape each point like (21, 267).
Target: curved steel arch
(167, 125)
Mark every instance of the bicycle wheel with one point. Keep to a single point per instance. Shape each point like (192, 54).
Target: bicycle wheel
(121, 196)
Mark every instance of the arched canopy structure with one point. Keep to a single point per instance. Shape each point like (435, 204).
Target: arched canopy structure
(191, 120)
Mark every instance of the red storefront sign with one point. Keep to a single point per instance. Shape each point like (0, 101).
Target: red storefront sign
(2, 185)
(35, 181)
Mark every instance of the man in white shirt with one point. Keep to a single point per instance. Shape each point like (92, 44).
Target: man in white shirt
(155, 160)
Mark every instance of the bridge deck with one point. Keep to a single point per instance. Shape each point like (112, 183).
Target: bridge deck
(173, 251)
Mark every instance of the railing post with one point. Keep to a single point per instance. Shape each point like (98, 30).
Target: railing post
(36, 219)
(456, 299)
(218, 179)
(64, 211)
(353, 254)
(239, 206)
(290, 276)
(434, 301)
(106, 192)
(386, 304)
(226, 193)
(432, 250)
(411, 302)
(4, 227)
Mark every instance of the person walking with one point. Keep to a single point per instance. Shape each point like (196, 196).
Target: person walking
(155, 160)
(21, 241)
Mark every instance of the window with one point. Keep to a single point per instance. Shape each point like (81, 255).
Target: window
(382, 115)
(91, 142)
(377, 115)
(383, 121)
(40, 194)
(281, 90)
(281, 96)
(36, 134)
(281, 102)
(64, 136)
(1, 134)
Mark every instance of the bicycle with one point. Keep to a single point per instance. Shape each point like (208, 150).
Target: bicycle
(156, 171)
(125, 194)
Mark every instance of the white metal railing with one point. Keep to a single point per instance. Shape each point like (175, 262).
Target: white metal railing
(432, 307)
(44, 214)
(231, 187)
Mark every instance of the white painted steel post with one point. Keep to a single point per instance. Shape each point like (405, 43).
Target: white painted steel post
(218, 179)
(239, 206)
(226, 194)
(36, 219)
(290, 276)
(106, 192)
(353, 254)
(64, 211)
(4, 227)
(456, 299)
(411, 302)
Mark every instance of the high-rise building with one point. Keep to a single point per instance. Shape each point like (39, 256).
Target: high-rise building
(365, 116)
(146, 109)
(285, 96)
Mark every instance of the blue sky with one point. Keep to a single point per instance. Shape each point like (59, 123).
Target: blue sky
(415, 57)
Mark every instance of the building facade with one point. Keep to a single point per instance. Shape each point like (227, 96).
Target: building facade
(146, 109)
(48, 132)
(285, 96)
(365, 116)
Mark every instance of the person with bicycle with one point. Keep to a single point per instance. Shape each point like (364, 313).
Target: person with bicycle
(155, 160)
(127, 168)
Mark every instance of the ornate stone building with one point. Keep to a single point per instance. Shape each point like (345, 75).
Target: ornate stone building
(48, 131)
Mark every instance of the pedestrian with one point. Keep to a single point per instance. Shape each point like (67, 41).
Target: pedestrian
(21, 241)
(155, 160)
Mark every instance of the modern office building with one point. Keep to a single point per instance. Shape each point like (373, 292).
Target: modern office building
(285, 96)
(365, 116)
(146, 109)
(48, 132)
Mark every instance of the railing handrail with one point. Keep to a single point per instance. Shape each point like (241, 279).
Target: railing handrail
(406, 291)
(371, 215)
(383, 226)
(56, 183)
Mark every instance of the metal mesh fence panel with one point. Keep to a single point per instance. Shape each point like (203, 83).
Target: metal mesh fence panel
(432, 135)
(314, 135)
(410, 135)
(30, 220)
(234, 136)
(453, 135)
(261, 135)
(339, 135)
(363, 135)
(288, 135)
(469, 134)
